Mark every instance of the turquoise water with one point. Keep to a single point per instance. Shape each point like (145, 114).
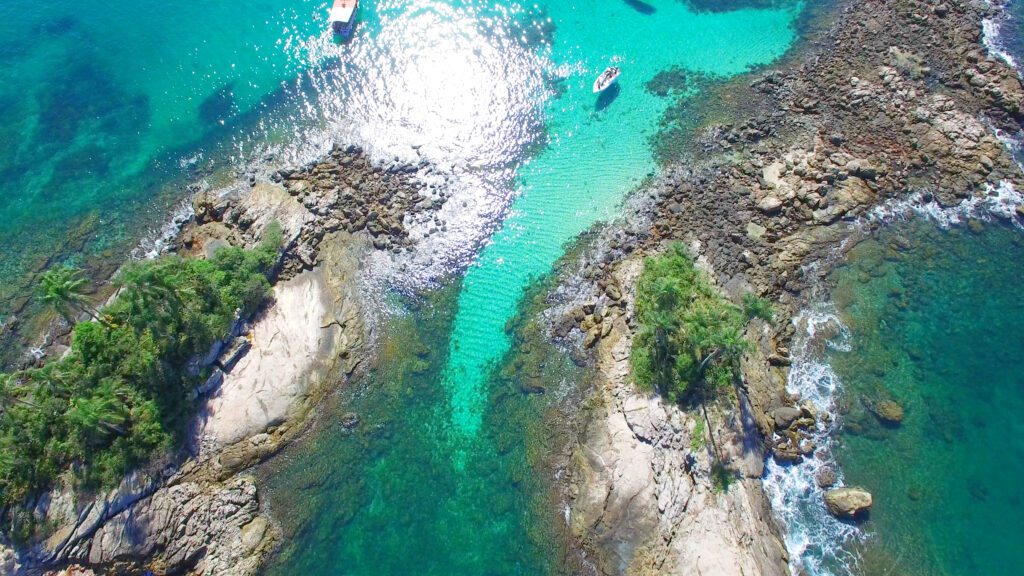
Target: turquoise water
(597, 150)
(936, 324)
(107, 111)
(440, 478)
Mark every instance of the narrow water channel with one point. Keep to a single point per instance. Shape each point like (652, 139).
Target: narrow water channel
(443, 475)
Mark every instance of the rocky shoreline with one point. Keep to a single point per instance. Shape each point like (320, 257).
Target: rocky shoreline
(198, 511)
(896, 99)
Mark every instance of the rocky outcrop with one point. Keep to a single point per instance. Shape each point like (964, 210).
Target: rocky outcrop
(190, 524)
(197, 515)
(73, 570)
(342, 192)
(295, 344)
(847, 502)
(646, 493)
(896, 98)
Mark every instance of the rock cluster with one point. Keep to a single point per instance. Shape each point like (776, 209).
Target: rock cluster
(594, 318)
(791, 440)
(345, 191)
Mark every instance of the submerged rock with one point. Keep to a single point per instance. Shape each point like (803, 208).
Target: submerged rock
(847, 502)
(825, 478)
(888, 411)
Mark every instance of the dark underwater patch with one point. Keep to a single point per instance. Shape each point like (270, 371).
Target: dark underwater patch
(641, 7)
(219, 106)
(733, 5)
(58, 26)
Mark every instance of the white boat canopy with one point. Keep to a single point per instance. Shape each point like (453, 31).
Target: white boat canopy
(342, 11)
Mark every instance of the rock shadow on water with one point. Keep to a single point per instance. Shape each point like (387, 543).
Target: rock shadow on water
(733, 5)
(57, 27)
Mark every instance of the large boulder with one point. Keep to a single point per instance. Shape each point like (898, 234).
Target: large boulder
(847, 502)
(785, 416)
(888, 412)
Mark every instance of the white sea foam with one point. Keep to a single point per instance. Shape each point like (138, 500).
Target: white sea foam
(159, 241)
(991, 37)
(814, 538)
(999, 201)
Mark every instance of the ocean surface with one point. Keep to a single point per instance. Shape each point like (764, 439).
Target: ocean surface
(450, 481)
(109, 112)
(924, 312)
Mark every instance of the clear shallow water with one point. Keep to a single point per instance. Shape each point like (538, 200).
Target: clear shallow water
(597, 150)
(925, 313)
(436, 496)
(937, 324)
(383, 499)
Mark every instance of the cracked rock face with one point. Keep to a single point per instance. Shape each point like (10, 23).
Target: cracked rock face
(190, 526)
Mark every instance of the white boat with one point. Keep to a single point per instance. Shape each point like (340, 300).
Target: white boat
(606, 79)
(343, 16)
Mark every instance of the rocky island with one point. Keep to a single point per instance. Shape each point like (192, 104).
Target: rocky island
(882, 104)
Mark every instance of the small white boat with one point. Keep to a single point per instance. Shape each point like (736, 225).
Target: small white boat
(343, 16)
(606, 79)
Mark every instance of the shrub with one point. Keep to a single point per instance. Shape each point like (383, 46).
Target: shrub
(690, 338)
(757, 307)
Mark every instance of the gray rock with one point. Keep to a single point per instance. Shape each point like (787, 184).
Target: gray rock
(826, 478)
(785, 416)
(770, 205)
(212, 383)
(236, 349)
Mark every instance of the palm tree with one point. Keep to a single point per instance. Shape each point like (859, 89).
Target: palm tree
(150, 293)
(12, 388)
(63, 288)
(103, 412)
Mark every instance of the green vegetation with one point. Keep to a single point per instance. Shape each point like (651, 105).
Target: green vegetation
(690, 339)
(123, 392)
(908, 63)
(697, 438)
(721, 478)
(757, 307)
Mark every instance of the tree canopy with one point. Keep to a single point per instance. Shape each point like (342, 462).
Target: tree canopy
(122, 392)
(690, 338)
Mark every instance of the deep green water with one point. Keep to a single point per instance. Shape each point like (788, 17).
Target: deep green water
(937, 324)
(449, 489)
(383, 498)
